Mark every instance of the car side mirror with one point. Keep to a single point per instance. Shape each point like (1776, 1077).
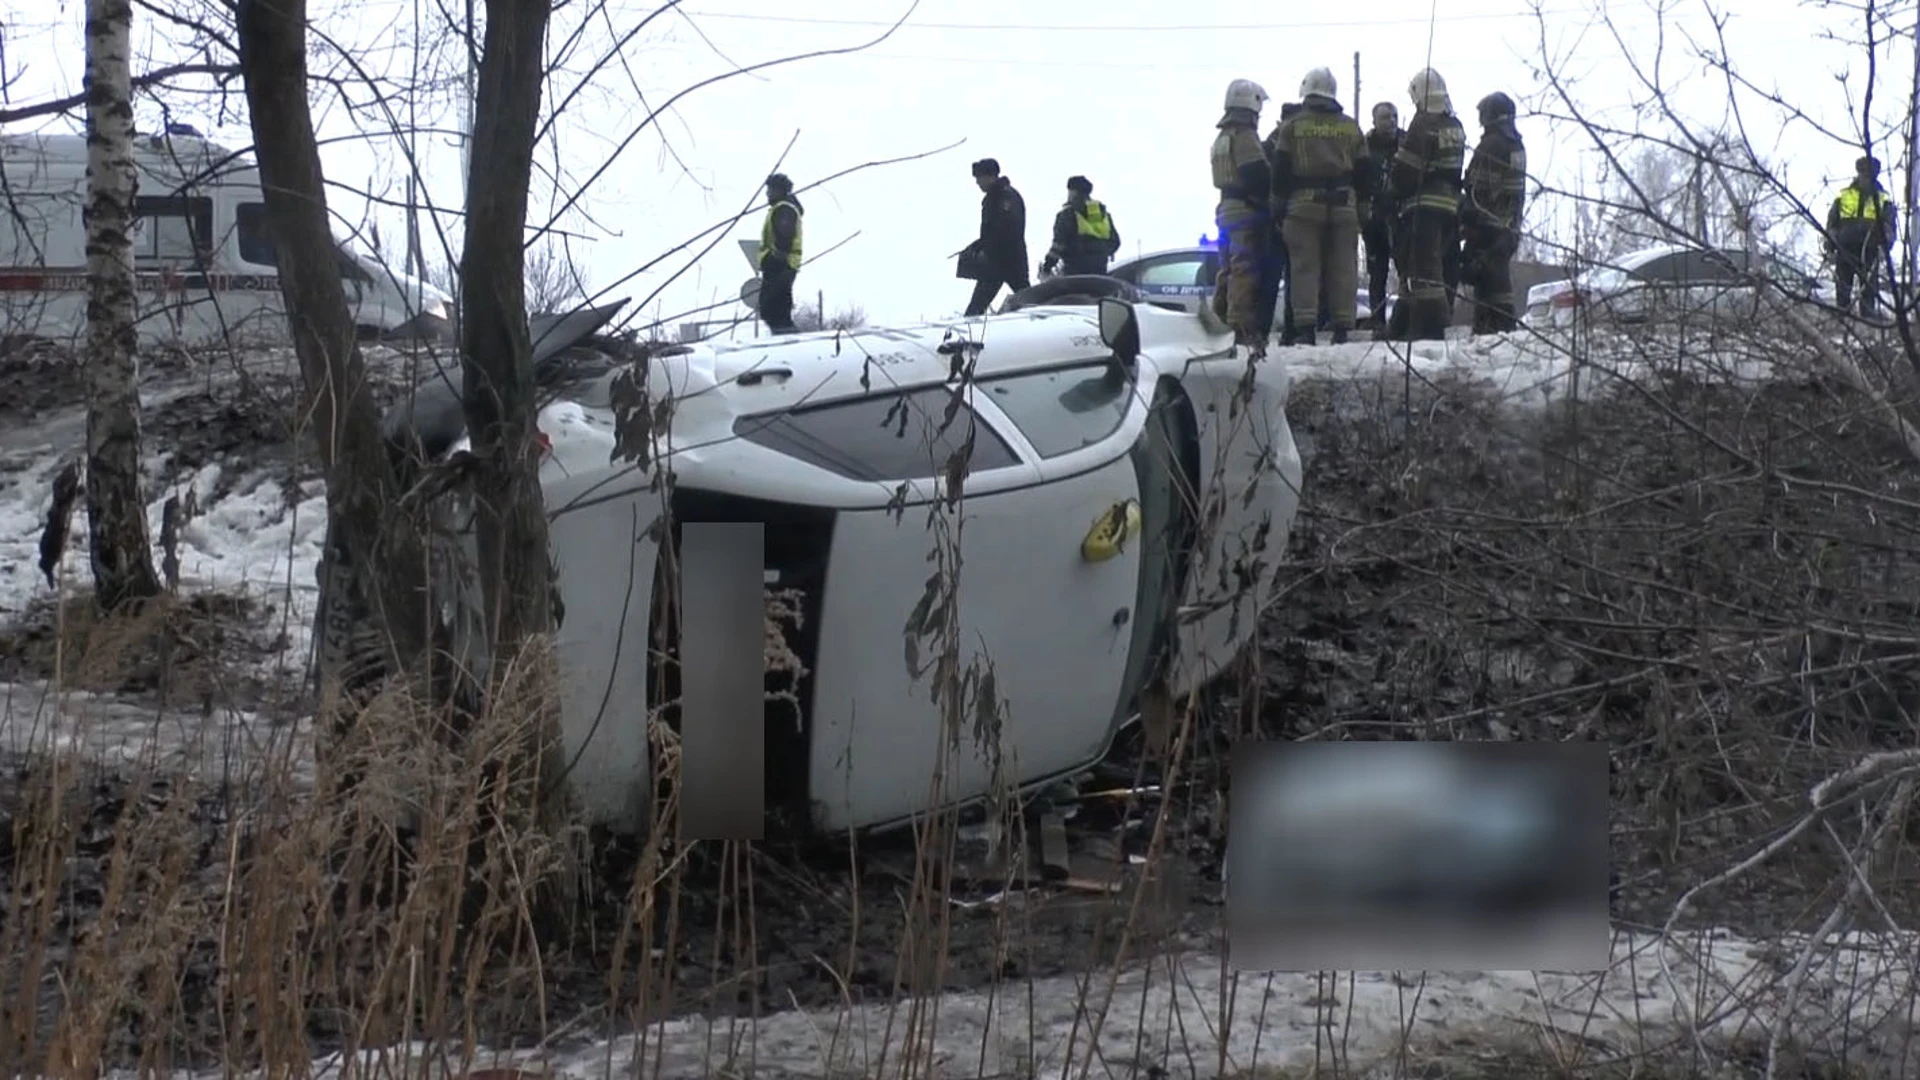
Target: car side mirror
(1120, 329)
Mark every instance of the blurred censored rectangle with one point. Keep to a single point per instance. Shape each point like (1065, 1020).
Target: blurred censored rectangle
(722, 680)
(1378, 856)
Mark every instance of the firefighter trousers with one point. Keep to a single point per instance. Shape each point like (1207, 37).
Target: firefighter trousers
(1236, 291)
(1486, 263)
(1323, 252)
(1423, 238)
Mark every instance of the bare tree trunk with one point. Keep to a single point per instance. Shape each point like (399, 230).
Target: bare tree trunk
(373, 583)
(122, 554)
(498, 371)
(516, 572)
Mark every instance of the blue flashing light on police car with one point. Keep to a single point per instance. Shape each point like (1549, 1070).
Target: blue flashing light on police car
(1211, 241)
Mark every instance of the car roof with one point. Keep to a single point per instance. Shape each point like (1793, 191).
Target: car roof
(1196, 251)
(829, 365)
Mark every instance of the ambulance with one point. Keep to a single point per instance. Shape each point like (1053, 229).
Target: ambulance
(204, 259)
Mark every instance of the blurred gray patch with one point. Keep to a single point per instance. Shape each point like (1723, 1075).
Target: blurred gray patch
(722, 680)
(1436, 856)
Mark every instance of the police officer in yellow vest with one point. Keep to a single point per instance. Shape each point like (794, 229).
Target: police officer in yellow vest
(1084, 237)
(1860, 229)
(1322, 177)
(1244, 179)
(779, 254)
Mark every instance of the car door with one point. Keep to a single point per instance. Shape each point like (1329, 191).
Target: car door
(1041, 627)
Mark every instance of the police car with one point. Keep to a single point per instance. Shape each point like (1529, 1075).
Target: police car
(1185, 276)
(1083, 562)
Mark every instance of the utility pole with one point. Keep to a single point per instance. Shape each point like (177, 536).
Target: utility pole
(1356, 84)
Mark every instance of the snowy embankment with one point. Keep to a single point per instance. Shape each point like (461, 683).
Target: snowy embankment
(1852, 1001)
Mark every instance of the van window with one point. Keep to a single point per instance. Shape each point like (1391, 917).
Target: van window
(254, 237)
(884, 436)
(1065, 409)
(40, 230)
(172, 229)
(254, 241)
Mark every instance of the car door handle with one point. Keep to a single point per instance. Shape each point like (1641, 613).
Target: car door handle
(1111, 531)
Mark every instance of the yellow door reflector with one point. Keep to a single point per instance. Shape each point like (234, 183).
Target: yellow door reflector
(1111, 531)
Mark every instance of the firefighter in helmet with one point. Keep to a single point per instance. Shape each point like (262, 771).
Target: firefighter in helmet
(1322, 180)
(1490, 211)
(1242, 176)
(1426, 185)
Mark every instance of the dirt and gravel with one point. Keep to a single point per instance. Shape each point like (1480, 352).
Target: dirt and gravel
(1713, 581)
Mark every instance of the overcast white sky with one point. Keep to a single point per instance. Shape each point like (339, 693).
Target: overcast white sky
(1125, 92)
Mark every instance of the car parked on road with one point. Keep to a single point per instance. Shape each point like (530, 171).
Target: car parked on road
(1185, 276)
(1086, 568)
(1670, 281)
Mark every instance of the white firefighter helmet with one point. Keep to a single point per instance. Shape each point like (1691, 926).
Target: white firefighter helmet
(1320, 83)
(1245, 94)
(1428, 90)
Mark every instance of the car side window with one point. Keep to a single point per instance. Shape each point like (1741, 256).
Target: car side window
(1181, 270)
(1666, 270)
(1713, 267)
(172, 229)
(883, 436)
(1064, 409)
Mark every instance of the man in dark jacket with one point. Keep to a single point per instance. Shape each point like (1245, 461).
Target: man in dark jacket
(779, 255)
(1860, 230)
(1490, 214)
(1383, 142)
(1084, 236)
(1426, 184)
(1000, 254)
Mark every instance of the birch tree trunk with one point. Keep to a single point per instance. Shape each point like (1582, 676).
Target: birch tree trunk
(121, 552)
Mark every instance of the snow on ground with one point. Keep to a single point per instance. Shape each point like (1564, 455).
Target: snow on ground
(1526, 370)
(1166, 1018)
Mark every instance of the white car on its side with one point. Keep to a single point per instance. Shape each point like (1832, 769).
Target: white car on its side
(1083, 418)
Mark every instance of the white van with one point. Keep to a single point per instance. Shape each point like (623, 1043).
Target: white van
(202, 254)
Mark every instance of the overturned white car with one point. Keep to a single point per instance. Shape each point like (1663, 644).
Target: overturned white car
(1093, 427)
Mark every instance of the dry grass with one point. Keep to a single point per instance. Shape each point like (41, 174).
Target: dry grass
(1714, 580)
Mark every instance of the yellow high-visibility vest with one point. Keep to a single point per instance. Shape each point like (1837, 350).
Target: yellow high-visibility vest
(766, 233)
(1854, 208)
(1093, 222)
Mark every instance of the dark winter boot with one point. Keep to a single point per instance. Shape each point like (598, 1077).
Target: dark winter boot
(1307, 338)
(1339, 335)
(1430, 321)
